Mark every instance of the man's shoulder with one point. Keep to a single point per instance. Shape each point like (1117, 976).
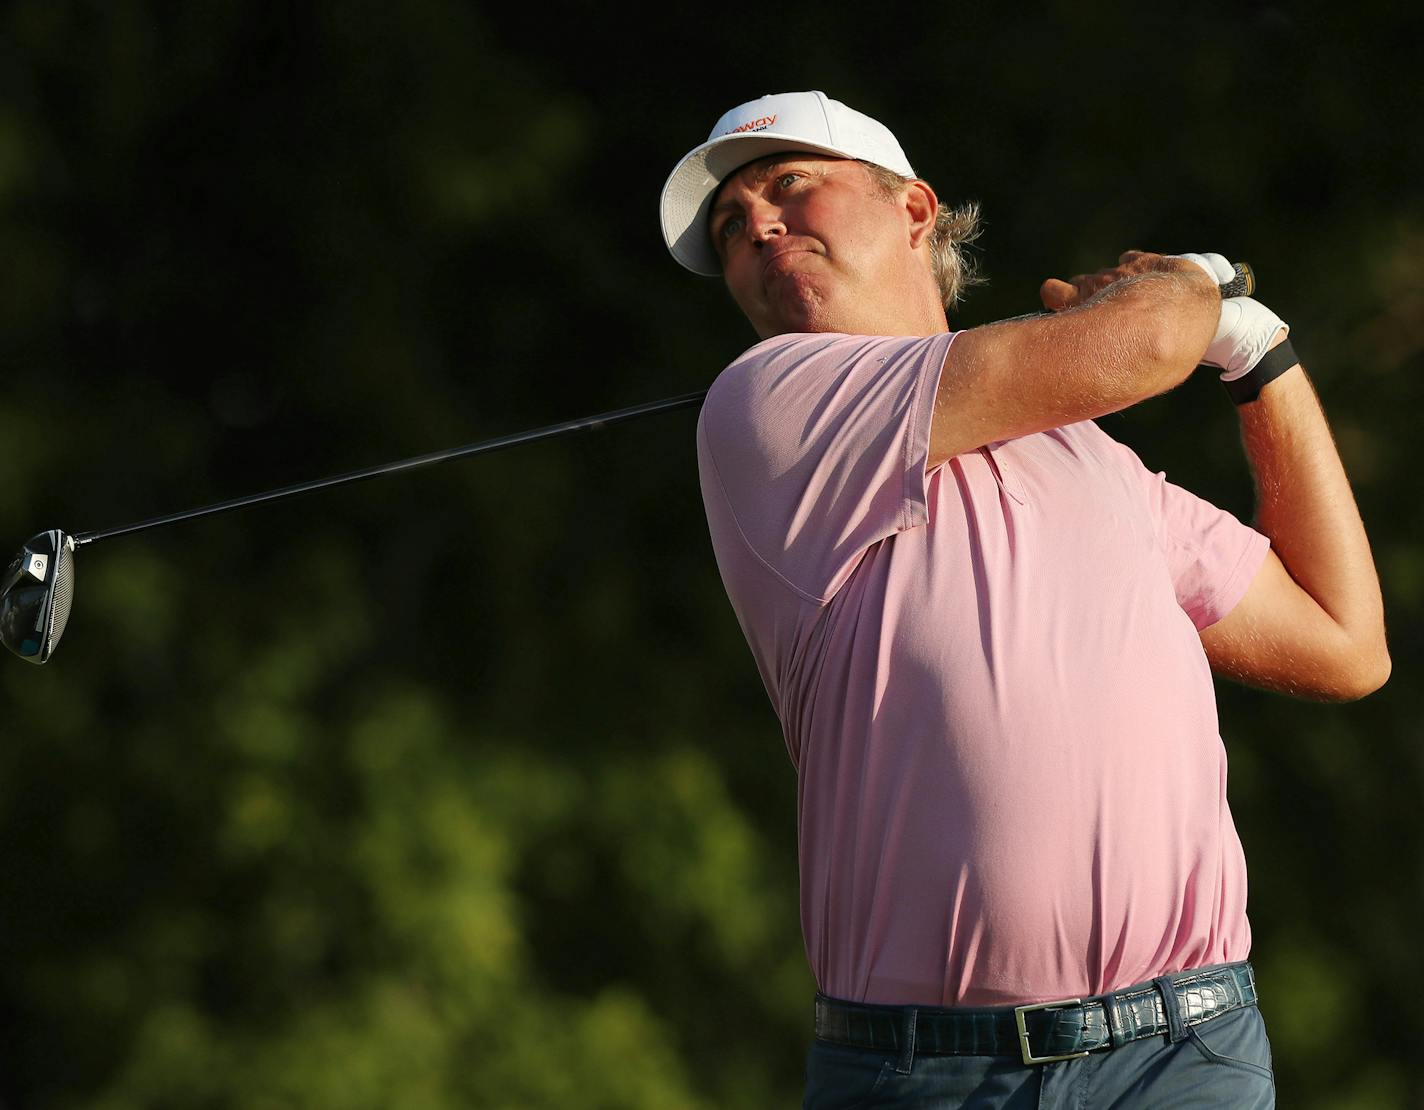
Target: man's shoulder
(806, 392)
(795, 350)
(788, 345)
(754, 373)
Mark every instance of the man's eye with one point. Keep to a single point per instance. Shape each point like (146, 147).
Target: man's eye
(785, 180)
(730, 227)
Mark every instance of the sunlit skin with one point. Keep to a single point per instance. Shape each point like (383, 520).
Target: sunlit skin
(809, 244)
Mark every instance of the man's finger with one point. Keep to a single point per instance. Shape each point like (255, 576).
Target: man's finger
(1057, 295)
(1089, 284)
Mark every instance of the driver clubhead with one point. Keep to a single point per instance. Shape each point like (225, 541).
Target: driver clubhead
(35, 594)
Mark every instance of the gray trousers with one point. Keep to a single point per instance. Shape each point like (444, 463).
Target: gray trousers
(1225, 1062)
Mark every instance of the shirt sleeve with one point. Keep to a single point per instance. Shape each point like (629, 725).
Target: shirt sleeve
(813, 448)
(1211, 556)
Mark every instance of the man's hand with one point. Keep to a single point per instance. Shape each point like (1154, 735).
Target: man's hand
(1058, 295)
(1248, 329)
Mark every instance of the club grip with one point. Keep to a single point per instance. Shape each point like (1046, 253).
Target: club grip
(1242, 285)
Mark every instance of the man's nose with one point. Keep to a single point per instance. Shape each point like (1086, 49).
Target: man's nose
(764, 222)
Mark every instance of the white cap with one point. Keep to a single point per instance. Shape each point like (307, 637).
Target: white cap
(809, 121)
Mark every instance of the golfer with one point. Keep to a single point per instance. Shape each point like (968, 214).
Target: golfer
(989, 631)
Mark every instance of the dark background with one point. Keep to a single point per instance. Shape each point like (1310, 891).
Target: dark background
(460, 788)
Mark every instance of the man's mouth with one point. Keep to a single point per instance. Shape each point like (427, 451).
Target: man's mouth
(772, 262)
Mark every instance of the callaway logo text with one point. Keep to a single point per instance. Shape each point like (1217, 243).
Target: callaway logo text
(755, 125)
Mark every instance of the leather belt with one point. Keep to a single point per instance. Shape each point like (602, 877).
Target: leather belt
(1044, 1031)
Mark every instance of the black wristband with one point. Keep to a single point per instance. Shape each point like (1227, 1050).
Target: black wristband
(1273, 364)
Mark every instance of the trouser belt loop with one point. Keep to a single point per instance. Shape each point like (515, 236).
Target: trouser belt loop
(1117, 1034)
(907, 1041)
(1176, 1027)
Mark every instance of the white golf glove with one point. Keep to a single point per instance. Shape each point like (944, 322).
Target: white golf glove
(1242, 337)
(1218, 268)
(1245, 329)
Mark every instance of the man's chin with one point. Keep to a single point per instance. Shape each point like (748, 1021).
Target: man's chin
(800, 306)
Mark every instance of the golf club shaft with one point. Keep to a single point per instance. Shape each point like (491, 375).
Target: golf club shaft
(1242, 285)
(587, 424)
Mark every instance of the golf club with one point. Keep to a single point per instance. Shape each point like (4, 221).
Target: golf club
(37, 588)
(38, 585)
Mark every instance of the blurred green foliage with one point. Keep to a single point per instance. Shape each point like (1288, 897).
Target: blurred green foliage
(460, 789)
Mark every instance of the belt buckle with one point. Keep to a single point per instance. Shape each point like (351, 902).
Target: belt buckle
(1024, 1050)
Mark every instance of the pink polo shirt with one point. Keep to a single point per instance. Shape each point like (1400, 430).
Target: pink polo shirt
(1011, 787)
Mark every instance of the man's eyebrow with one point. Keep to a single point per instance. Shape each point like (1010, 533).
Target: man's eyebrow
(722, 206)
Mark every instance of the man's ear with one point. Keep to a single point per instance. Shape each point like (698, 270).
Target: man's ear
(921, 205)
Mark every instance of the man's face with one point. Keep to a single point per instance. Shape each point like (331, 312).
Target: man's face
(808, 243)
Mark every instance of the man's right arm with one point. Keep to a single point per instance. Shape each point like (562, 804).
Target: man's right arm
(1115, 338)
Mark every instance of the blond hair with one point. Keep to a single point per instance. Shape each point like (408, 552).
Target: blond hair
(954, 268)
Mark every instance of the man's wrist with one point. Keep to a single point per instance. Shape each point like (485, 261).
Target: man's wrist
(1245, 331)
(1275, 362)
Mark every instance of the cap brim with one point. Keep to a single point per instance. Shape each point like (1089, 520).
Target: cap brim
(687, 196)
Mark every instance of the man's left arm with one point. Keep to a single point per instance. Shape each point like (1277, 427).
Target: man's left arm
(1312, 622)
